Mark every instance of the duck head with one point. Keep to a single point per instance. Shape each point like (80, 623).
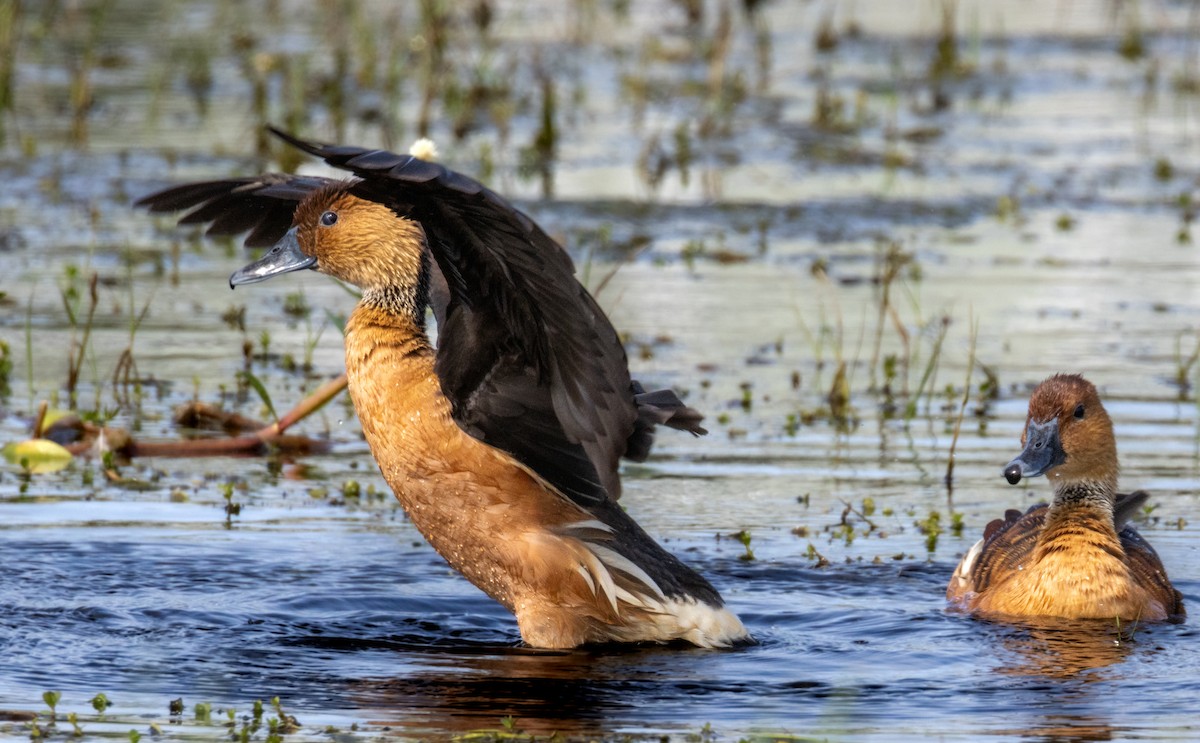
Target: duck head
(359, 241)
(1068, 435)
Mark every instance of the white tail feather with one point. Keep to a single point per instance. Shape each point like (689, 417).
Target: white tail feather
(621, 582)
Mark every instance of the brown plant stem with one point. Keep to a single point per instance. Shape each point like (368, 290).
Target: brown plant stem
(260, 442)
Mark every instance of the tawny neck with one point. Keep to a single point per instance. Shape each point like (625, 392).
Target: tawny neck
(372, 328)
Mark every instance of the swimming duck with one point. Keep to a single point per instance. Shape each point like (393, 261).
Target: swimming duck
(1077, 558)
(502, 444)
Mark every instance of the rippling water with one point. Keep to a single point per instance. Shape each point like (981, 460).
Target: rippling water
(1039, 220)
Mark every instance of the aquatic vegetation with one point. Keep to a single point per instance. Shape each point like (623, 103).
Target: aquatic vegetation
(260, 389)
(743, 536)
(232, 508)
(256, 726)
(962, 411)
(51, 698)
(839, 395)
(926, 384)
(100, 703)
(296, 305)
(81, 327)
(1185, 364)
(6, 367)
(826, 37)
(1132, 46)
(931, 527)
(891, 264)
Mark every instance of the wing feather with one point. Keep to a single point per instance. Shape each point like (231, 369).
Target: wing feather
(527, 359)
(518, 321)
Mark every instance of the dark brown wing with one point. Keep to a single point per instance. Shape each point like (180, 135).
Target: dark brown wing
(262, 205)
(1127, 506)
(528, 360)
(1007, 543)
(1143, 561)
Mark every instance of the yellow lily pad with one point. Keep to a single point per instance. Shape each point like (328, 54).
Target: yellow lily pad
(37, 456)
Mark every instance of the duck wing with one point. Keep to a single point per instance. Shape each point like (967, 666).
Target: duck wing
(1141, 558)
(1006, 544)
(527, 359)
(262, 205)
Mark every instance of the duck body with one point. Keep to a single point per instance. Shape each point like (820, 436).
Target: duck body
(1078, 557)
(567, 573)
(502, 444)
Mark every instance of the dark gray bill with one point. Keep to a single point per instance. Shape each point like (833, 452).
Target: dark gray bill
(283, 257)
(1043, 452)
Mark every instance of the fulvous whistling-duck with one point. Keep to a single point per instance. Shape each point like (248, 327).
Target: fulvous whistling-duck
(1077, 558)
(503, 443)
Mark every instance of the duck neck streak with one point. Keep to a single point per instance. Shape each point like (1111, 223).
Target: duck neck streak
(403, 294)
(1081, 517)
(403, 302)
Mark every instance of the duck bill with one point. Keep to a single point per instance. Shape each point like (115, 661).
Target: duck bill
(283, 257)
(1043, 452)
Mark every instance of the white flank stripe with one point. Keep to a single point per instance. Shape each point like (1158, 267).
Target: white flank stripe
(617, 561)
(592, 524)
(601, 574)
(582, 570)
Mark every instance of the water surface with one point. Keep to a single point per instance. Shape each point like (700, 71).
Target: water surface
(1042, 209)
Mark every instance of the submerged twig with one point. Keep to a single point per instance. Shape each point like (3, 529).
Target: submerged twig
(252, 444)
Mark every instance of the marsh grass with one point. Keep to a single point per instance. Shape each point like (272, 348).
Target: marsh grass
(906, 349)
(890, 265)
(125, 372)
(10, 17)
(537, 158)
(928, 382)
(80, 318)
(6, 368)
(1185, 364)
(962, 410)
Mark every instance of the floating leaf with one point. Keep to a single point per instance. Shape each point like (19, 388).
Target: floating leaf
(37, 456)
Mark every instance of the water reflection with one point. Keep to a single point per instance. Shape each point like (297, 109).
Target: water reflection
(1079, 659)
(1067, 727)
(1062, 649)
(571, 693)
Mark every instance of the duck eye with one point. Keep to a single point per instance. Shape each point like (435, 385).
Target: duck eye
(329, 219)
(1079, 411)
